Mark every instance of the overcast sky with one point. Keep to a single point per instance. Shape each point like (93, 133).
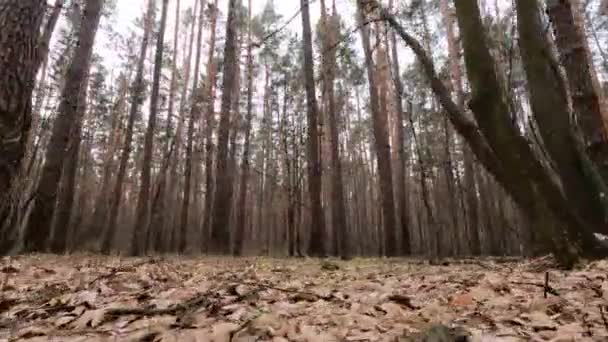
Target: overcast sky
(128, 10)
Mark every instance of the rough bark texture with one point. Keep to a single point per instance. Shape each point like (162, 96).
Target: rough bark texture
(585, 91)
(317, 230)
(195, 113)
(142, 215)
(583, 187)
(20, 21)
(222, 204)
(136, 101)
(38, 224)
(381, 142)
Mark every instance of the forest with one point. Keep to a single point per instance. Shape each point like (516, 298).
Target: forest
(312, 170)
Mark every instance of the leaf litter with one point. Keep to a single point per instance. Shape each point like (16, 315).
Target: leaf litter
(93, 298)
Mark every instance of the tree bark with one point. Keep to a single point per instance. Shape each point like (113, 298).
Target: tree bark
(222, 204)
(38, 224)
(534, 191)
(581, 181)
(585, 91)
(20, 21)
(317, 229)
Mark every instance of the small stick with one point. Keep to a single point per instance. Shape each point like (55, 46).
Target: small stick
(549, 289)
(546, 284)
(603, 317)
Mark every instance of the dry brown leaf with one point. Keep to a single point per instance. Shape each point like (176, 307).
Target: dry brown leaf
(89, 319)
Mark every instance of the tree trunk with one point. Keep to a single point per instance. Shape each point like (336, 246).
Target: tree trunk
(582, 184)
(162, 200)
(210, 98)
(65, 201)
(239, 235)
(457, 86)
(136, 100)
(382, 145)
(401, 177)
(317, 231)
(331, 32)
(172, 225)
(38, 224)
(222, 204)
(102, 203)
(20, 21)
(527, 180)
(195, 112)
(585, 91)
(142, 215)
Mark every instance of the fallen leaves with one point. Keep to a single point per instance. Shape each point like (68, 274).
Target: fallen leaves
(89, 298)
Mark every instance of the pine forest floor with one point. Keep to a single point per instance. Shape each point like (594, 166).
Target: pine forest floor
(92, 298)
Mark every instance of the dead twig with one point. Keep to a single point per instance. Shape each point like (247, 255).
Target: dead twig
(602, 313)
(190, 304)
(302, 294)
(122, 268)
(545, 287)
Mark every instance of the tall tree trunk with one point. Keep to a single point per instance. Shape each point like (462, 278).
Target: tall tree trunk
(317, 231)
(582, 184)
(222, 204)
(20, 21)
(173, 223)
(38, 224)
(239, 235)
(382, 145)
(162, 200)
(331, 28)
(136, 101)
(142, 216)
(102, 203)
(65, 201)
(585, 91)
(457, 86)
(401, 177)
(527, 180)
(209, 97)
(195, 112)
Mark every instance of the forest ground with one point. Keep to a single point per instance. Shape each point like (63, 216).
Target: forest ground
(92, 298)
